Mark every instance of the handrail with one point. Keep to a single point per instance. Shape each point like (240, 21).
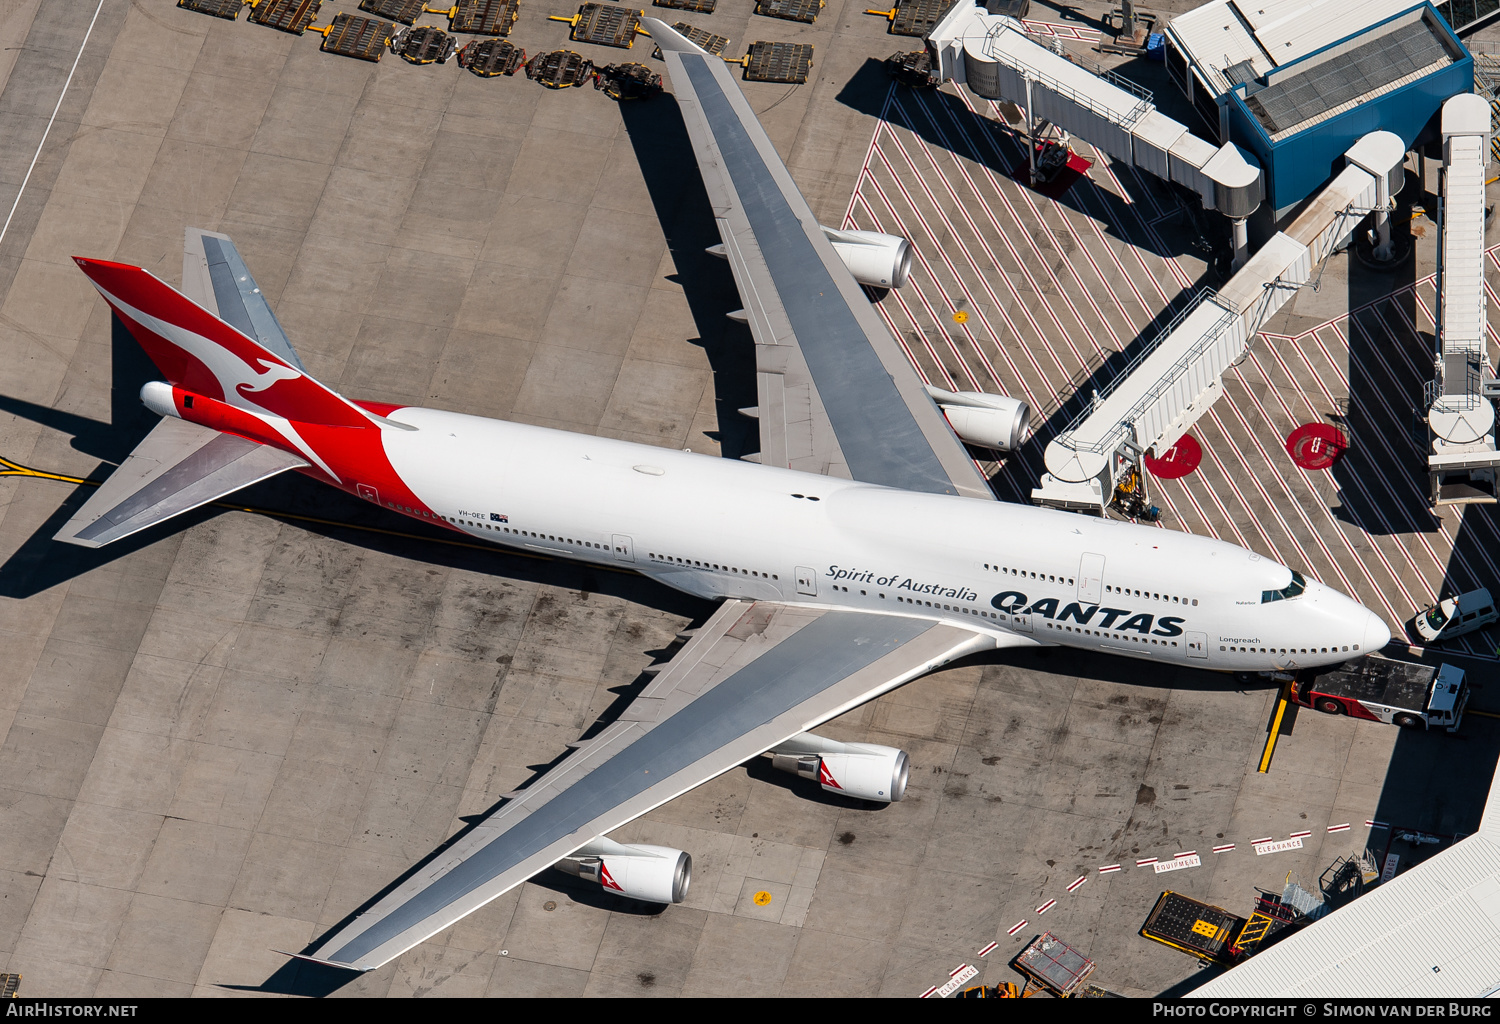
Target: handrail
(1144, 97)
(1228, 315)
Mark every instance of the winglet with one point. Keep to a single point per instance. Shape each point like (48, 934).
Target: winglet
(668, 38)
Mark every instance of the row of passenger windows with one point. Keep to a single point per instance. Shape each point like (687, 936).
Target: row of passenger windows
(1112, 635)
(1289, 650)
(527, 533)
(1026, 574)
(673, 559)
(938, 605)
(1146, 593)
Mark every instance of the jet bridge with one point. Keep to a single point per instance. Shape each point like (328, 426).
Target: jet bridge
(1096, 461)
(1462, 459)
(995, 57)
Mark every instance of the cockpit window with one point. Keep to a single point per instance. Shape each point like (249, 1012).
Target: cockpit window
(1291, 590)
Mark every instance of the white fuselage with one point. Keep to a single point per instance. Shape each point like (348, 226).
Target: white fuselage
(715, 528)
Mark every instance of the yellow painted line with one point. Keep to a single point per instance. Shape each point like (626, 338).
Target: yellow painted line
(1281, 702)
(1482, 714)
(9, 468)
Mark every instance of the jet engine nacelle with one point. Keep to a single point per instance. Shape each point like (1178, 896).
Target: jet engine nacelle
(875, 259)
(864, 770)
(656, 874)
(989, 421)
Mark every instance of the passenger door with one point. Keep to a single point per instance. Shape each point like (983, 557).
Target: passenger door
(624, 548)
(1091, 578)
(807, 581)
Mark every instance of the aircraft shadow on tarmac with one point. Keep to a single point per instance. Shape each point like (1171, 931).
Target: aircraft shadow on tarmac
(665, 154)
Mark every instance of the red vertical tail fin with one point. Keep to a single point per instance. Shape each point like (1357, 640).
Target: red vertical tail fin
(199, 352)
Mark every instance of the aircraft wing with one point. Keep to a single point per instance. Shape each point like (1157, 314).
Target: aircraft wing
(753, 676)
(837, 394)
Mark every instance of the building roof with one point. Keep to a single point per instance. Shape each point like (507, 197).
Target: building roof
(1267, 34)
(1378, 60)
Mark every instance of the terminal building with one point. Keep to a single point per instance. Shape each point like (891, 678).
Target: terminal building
(1297, 88)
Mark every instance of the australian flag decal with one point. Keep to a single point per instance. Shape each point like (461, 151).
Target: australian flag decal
(496, 517)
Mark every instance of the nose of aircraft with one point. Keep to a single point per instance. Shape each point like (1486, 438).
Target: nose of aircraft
(1377, 633)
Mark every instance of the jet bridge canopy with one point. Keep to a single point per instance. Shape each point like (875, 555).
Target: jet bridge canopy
(1174, 380)
(995, 57)
(1462, 461)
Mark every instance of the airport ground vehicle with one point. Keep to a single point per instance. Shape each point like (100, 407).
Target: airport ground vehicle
(1404, 693)
(1454, 617)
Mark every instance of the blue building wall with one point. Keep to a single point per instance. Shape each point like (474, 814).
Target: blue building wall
(1297, 166)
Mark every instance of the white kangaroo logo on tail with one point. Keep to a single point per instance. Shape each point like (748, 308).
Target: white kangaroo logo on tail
(237, 378)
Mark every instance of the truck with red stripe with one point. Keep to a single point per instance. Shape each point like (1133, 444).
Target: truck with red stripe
(1403, 693)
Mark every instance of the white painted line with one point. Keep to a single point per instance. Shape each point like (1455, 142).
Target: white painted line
(1186, 853)
(928, 993)
(1077, 882)
(1388, 871)
(959, 970)
(48, 130)
(963, 975)
(1108, 868)
(1016, 927)
(1224, 849)
(987, 950)
(1339, 828)
(1261, 849)
(1267, 839)
(1190, 860)
(1300, 835)
(1144, 862)
(1046, 906)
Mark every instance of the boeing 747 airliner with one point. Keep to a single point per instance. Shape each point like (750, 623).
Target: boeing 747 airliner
(864, 549)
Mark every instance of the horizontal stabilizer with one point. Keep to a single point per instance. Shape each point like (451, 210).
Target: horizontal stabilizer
(179, 466)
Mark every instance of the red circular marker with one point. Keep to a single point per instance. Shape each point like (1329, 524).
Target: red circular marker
(1316, 445)
(1177, 461)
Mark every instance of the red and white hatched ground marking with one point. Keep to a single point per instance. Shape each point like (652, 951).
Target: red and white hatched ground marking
(1392, 535)
(987, 950)
(1224, 849)
(1109, 868)
(1339, 828)
(1300, 835)
(964, 167)
(1016, 927)
(1046, 906)
(1145, 862)
(1375, 824)
(1073, 886)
